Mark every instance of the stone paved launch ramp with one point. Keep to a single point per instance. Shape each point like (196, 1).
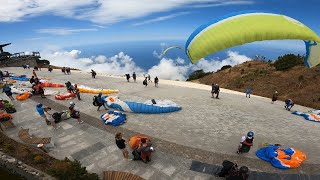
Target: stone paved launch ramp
(206, 129)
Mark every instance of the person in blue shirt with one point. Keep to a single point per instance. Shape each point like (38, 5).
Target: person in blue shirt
(248, 92)
(41, 110)
(7, 90)
(100, 101)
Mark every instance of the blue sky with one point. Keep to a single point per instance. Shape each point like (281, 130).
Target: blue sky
(37, 24)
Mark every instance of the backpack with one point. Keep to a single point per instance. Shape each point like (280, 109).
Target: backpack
(95, 101)
(57, 117)
(11, 110)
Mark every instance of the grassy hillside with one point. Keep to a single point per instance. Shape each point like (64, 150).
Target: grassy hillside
(298, 83)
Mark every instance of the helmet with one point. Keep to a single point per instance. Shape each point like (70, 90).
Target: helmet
(250, 134)
(244, 169)
(72, 103)
(39, 105)
(276, 92)
(100, 93)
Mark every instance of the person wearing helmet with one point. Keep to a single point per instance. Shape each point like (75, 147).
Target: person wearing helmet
(242, 174)
(100, 102)
(75, 112)
(41, 110)
(274, 97)
(246, 143)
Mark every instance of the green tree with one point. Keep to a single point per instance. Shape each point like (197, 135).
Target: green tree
(288, 61)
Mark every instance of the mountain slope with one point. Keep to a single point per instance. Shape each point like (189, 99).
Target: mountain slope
(300, 84)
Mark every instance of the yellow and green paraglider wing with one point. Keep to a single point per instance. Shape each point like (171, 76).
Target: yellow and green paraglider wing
(243, 28)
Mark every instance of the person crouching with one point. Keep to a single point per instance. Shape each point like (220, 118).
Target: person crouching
(145, 149)
(288, 104)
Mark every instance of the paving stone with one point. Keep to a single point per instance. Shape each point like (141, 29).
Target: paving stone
(87, 151)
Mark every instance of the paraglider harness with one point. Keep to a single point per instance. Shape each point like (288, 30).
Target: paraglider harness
(245, 146)
(59, 116)
(95, 101)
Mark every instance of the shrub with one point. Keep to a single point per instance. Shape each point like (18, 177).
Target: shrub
(8, 105)
(39, 159)
(197, 75)
(67, 169)
(8, 148)
(242, 71)
(225, 67)
(288, 61)
(249, 65)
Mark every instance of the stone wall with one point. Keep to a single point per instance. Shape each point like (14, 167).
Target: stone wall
(18, 62)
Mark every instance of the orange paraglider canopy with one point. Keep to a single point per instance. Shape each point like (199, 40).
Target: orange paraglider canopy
(136, 140)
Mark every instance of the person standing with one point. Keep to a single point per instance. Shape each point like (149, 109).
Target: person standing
(156, 81)
(134, 76)
(122, 145)
(145, 82)
(40, 110)
(100, 101)
(93, 73)
(274, 97)
(248, 92)
(149, 78)
(75, 112)
(213, 87)
(215, 90)
(128, 77)
(77, 91)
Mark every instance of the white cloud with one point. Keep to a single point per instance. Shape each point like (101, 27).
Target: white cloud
(168, 69)
(174, 69)
(98, 11)
(64, 31)
(161, 18)
(100, 59)
(121, 64)
(118, 64)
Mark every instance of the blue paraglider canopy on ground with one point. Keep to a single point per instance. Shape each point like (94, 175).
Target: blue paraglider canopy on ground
(114, 118)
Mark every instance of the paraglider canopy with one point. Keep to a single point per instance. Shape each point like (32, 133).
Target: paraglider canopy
(246, 27)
